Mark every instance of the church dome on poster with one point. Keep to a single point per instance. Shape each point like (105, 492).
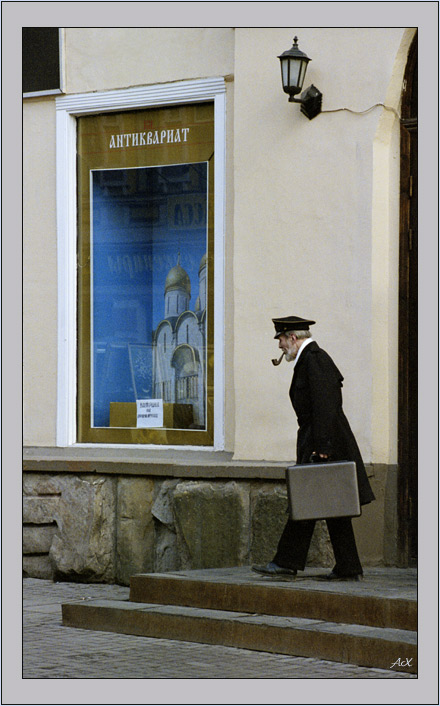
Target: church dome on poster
(177, 278)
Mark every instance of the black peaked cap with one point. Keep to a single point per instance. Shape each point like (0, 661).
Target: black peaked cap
(291, 323)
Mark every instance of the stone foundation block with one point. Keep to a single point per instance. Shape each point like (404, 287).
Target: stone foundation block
(41, 484)
(37, 539)
(320, 552)
(83, 548)
(40, 511)
(38, 567)
(163, 502)
(134, 528)
(166, 552)
(212, 522)
(269, 515)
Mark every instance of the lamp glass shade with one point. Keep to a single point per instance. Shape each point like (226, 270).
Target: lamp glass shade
(293, 71)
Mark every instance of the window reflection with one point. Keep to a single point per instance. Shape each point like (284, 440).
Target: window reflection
(149, 285)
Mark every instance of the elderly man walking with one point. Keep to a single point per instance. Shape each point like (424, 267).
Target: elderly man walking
(324, 434)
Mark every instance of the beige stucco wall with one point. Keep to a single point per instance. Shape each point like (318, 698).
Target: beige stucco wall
(103, 58)
(303, 228)
(39, 273)
(308, 222)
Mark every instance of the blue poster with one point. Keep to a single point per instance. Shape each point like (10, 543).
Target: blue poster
(149, 287)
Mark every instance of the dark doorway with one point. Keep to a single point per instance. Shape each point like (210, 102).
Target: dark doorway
(408, 369)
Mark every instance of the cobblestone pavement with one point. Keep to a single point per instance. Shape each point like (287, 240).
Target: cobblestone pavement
(52, 651)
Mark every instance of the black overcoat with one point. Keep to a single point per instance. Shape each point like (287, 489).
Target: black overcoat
(316, 397)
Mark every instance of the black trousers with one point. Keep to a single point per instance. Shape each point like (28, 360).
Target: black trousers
(295, 541)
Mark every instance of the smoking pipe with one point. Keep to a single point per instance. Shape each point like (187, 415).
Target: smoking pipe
(277, 362)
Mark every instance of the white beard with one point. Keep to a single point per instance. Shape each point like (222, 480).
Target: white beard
(292, 352)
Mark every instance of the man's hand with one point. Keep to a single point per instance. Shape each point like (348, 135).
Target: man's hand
(320, 455)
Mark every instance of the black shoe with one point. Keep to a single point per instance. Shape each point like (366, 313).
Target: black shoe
(272, 569)
(332, 576)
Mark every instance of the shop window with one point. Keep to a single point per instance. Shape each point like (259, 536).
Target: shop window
(140, 221)
(145, 275)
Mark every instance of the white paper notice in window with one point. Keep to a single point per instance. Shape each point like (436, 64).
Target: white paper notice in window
(149, 413)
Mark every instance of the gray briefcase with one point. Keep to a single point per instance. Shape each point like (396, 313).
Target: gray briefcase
(317, 491)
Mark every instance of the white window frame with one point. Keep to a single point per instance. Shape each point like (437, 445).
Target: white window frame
(68, 108)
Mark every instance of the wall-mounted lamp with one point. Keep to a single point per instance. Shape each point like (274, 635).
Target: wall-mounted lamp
(293, 70)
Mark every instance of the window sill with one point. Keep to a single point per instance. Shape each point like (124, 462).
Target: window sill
(174, 463)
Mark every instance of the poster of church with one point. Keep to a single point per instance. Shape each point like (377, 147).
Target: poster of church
(149, 291)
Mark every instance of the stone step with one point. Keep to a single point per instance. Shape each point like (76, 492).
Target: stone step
(351, 644)
(241, 590)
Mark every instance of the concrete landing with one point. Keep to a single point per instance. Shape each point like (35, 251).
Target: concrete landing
(371, 623)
